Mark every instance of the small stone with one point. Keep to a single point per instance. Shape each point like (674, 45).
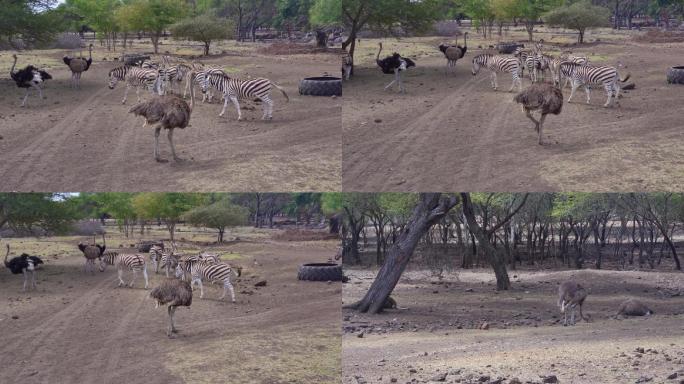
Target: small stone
(549, 379)
(483, 379)
(261, 283)
(673, 376)
(15, 317)
(360, 335)
(439, 377)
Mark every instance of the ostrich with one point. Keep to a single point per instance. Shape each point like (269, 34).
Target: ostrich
(91, 253)
(394, 64)
(453, 53)
(78, 65)
(24, 264)
(543, 97)
(29, 77)
(167, 112)
(175, 293)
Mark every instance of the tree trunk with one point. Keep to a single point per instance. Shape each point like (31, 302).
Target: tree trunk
(431, 208)
(206, 48)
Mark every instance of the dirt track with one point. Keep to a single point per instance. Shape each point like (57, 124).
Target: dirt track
(87, 141)
(436, 329)
(81, 328)
(455, 133)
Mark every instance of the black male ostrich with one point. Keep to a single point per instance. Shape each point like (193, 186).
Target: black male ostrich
(175, 293)
(454, 53)
(24, 264)
(29, 77)
(394, 65)
(543, 97)
(167, 112)
(78, 65)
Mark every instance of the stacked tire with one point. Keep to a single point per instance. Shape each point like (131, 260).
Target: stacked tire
(320, 272)
(675, 75)
(321, 86)
(507, 48)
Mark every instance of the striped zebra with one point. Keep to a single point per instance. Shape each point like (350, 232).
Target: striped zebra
(174, 74)
(134, 262)
(156, 252)
(199, 78)
(169, 260)
(554, 65)
(210, 272)
(134, 77)
(587, 75)
(234, 89)
(498, 64)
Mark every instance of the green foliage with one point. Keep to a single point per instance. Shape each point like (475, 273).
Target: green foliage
(30, 20)
(27, 211)
(326, 12)
(166, 206)
(332, 202)
(219, 215)
(579, 16)
(203, 28)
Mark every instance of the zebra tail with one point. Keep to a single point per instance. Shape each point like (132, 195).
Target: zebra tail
(281, 90)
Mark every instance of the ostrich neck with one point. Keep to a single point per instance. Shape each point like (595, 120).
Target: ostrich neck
(12, 70)
(6, 255)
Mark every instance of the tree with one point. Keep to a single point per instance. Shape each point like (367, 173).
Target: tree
(154, 16)
(326, 12)
(430, 208)
(530, 12)
(120, 206)
(27, 211)
(579, 16)
(168, 207)
(99, 15)
(219, 216)
(203, 28)
(386, 16)
(30, 20)
(482, 12)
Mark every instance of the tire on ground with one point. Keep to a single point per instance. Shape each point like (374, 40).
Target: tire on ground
(675, 75)
(321, 86)
(144, 246)
(134, 59)
(320, 272)
(507, 48)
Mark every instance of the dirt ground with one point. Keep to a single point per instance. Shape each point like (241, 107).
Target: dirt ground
(456, 133)
(85, 140)
(79, 327)
(436, 335)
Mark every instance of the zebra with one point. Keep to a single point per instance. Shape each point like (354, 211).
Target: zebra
(174, 75)
(134, 77)
(498, 64)
(209, 257)
(206, 270)
(199, 78)
(169, 260)
(587, 75)
(134, 262)
(554, 66)
(235, 89)
(156, 252)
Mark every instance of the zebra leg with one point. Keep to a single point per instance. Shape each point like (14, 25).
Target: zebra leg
(609, 91)
(173, 149)
(572, 91)
(616, 87)
(135, 273)
(199, 282)
(144, 271)
(125, 94)
(541, 128)
(121, 281)
(227, 286)
(268, 108)
(236, 103)
(225, 103)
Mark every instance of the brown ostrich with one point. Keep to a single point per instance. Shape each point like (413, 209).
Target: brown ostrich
(78, 65)
(175, 293)
(543, 97)
(454, 52)
(167, 112)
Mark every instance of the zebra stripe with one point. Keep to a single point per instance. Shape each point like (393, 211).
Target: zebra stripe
(134, 77)
(586, 75)
(498, 64)
(554, 65)
(156, 256)
(210, 272)
(199, 78)
(132, 262)
(169, 261)
(235, 89)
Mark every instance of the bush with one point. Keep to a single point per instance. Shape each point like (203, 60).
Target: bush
(448, 28)
(68, 41)
(86, 228)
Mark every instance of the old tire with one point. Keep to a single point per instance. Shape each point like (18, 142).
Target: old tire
(507, 48)
(321, 86)
(144, 246)
(675, 75)
(320, 272)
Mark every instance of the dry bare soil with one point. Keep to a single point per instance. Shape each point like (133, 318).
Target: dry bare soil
(436, 334)
(455, 132)
(85, 140)
(80, 328)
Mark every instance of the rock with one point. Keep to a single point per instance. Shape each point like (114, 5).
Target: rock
(483, 379)
(643, 379)
(412, 370)
(639, 350)
(360, 335)
(393, 379)
(378, 121)
(439, 377)
(673, 376)
(514, 380)
(261, 283)
(549, 379)
(15, 317)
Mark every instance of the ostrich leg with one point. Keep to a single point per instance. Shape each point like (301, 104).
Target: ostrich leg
(157, 130)
(541, 128)
(25, 279)
(528, 113)
(23, 103)
(172, 329)
(173, 148)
